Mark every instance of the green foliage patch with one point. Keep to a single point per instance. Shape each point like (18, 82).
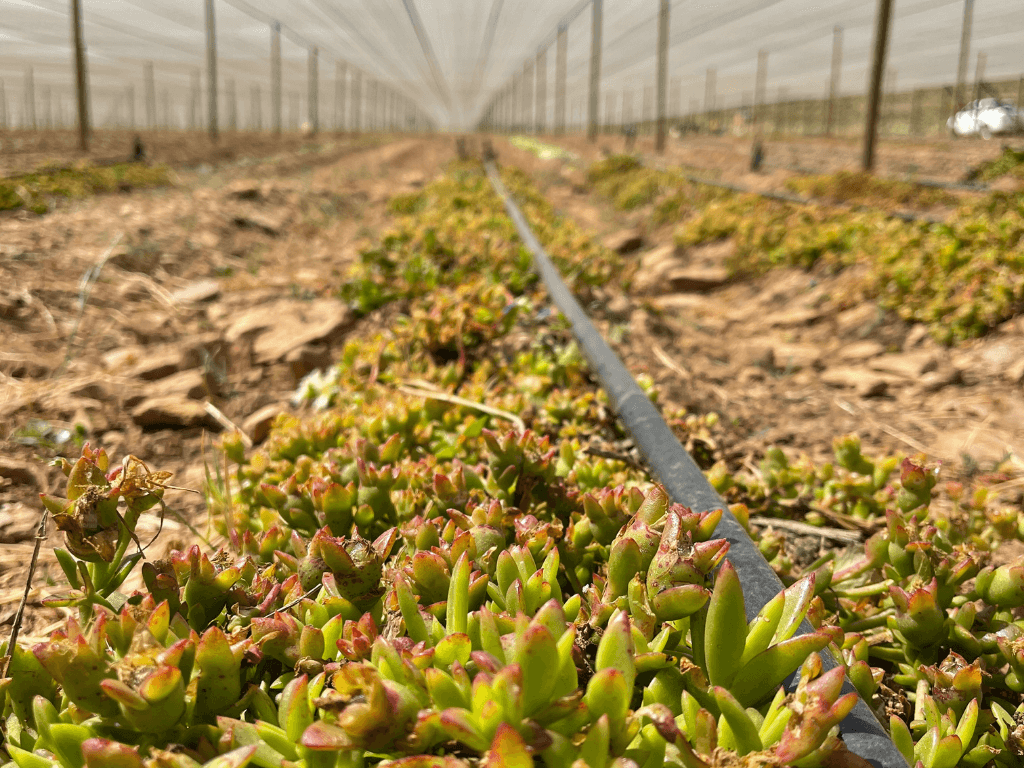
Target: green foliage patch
(35, 190)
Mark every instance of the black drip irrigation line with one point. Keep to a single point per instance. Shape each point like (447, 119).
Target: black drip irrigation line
(676, 470)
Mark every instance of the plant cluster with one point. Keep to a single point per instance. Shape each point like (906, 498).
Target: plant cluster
(36, 191)
(961, 278)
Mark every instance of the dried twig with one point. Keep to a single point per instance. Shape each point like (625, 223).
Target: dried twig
(40, 538)
(805, 529)
(227, 423)
(625, 458)
(84, 291)
(669, 363)
(456, 400)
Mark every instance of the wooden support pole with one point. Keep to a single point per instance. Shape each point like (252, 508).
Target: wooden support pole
(81, 78)
(340, 92)
(211, 72)
(662, 78)
(150, 85)
(883, 21)
(313, 100)
(275, 78)
(833, 81)
(965, 52)
(3, 106)
(540, 113)
(597, 27)
(561, 53)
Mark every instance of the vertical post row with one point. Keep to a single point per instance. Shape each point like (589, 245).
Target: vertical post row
(882, 23)
(541, 110)
(232, 97)
(597, 26)
(833, 82)
(965, 51)
(561, 53)
(313, 107)
(340, 72)
(150, 84)
(81, 79)
(275, 78)
(662, 80)
(357, 101)
(760, 85)
(3, 106)
(211, 71)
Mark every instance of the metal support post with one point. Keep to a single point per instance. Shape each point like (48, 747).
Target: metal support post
(232, 97)
(357, 101)
(313, 105)
(760, 85)
(965, 52)
(340, 90)
(81, 78)
(979, 74)
(211, 71)
(833, 82)
(194, 108)
(882, 23)
(3, 106)
(540, 112)
(275, 78)
(662, 80)
(30, 99)
(150, 84)
(528, 78)
(597, 26)
(710, 88)
(561, 52)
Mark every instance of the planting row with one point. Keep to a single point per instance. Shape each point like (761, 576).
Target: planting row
(432, 568)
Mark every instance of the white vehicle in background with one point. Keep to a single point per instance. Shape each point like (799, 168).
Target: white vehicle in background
(987, 118)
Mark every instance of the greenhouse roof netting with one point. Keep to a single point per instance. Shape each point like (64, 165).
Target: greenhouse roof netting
(450, 57)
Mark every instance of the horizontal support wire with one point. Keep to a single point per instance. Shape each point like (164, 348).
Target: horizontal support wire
(675, 469)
